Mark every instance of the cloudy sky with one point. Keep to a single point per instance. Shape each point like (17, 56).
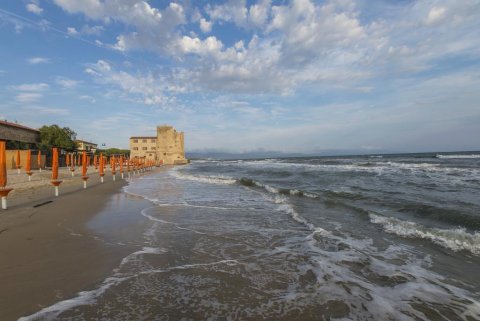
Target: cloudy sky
(293, 76)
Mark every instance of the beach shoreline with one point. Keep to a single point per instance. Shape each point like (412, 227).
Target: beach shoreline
(48, 252)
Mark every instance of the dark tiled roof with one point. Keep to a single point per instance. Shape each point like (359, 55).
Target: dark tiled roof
(6, 123)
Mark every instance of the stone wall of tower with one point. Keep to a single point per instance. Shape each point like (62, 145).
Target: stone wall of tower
(170, 146)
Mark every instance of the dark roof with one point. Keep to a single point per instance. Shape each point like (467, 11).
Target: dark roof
(6, 123)
(142, 137)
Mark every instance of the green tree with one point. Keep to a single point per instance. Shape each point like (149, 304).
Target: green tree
(112, 151)
(55, 136)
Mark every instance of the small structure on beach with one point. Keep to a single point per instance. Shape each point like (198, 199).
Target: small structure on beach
(167, 147)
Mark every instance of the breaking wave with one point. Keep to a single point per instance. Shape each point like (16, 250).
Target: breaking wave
(454, 239)
(204, 179)
(460, 156)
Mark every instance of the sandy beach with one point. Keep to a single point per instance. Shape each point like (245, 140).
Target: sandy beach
(47, 253)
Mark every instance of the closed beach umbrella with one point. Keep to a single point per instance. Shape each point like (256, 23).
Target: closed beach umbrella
(84, 169)
(101, 171)
(84, 163)
(113, 165)
(3, 165)
(17, 162)
(28, 166)
(55, 164)
(55, 181)
(3, 174)
(39, 160)
(101, 164)
(29, 160)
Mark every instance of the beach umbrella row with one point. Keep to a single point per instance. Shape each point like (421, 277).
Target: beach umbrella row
(134, 166)
(3, 175)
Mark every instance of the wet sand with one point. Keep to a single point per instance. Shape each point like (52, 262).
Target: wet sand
(47, 253)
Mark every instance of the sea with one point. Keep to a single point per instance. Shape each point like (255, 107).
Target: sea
(378, 237)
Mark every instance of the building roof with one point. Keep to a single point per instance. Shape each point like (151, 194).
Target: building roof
(85, 142)
(143, 137)
(6, 123)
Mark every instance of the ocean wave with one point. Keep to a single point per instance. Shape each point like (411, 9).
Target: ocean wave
(275, 190)
(460, 156)
(223, 180)
(442, 213)
(377, 167)
(454, 239)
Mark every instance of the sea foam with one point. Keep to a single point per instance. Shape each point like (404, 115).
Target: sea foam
(454, 239)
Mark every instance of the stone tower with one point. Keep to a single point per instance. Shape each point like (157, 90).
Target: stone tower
(170, 145)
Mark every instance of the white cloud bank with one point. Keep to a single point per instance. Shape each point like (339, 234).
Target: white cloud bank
(296, 44)
(296, 47)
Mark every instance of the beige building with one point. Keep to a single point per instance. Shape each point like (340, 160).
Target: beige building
(83, 145)
(141, 146)
(167, 147)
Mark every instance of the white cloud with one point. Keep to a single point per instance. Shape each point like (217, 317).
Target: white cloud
(327, 45)
(35, 87)
(88, 98)
(26, 97)
(72, 31)
(205, 26)
(34, 8)
(29, 92)
(38, 60)
(66, 83)
(92, 30)
(138, 14)
(146, 89)
(436, 15)
(47, 110)
(86, 30)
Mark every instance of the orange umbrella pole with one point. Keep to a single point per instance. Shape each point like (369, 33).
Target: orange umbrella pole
(84, 169)
(102, 173)
(3, 175)
(39, 161)
(55, 182)
(28, 168)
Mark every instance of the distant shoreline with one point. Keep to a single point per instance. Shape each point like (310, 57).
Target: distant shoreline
(226, 156)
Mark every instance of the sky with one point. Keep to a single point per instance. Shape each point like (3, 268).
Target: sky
(237, 76)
